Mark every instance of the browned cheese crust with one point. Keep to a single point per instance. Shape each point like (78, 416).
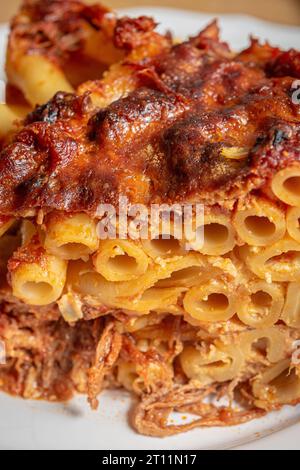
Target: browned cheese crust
(162, 139)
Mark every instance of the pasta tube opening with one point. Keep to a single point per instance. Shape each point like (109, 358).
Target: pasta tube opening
(71, 237)
(37, 289)
(219, 363)
(210, 302)
(39, 283)
(161, 247)
(286, 185)
(269, 340)
(263, 305)
(279, 262)
(218, 235)
(260, 224)
(120, 260)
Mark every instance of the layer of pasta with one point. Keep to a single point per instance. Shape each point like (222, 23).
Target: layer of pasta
(114, 109)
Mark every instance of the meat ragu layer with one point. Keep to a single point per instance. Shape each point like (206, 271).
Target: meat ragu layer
(157, 122)
(51, 360)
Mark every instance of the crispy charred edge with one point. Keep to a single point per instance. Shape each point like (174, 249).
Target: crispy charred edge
(62, 106)
(258, 53)
(131, 33)
(275, 62)
(285, 64)
(22, 255)
(55, 27)
(182, 168)
(274, 149)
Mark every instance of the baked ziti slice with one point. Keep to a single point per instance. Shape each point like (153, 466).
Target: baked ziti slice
(169, 319)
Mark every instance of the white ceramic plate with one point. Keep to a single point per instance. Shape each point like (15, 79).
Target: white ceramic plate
(31, 425)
